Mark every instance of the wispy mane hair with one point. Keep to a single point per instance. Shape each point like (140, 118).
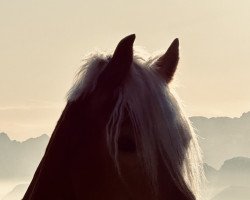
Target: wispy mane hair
(161, 127)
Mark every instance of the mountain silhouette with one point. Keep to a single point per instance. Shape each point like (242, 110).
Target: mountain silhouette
(230, 181)
(235, 171)
(18, 160)
(233, 193)
(222, 138)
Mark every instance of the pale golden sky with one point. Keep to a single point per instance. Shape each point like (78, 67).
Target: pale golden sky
(42, 44)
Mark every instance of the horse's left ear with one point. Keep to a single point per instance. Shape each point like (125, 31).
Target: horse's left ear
(166, 65)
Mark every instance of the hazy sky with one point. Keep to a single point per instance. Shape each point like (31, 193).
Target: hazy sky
(42, 44)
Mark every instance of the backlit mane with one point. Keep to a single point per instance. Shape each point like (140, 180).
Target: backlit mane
(156, 114)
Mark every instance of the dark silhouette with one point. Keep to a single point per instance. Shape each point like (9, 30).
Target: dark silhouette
(122, 134)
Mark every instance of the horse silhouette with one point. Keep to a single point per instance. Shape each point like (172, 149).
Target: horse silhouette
(122, 135)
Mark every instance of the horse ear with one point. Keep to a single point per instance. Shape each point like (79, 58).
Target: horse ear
(119, 65)
(166, 65)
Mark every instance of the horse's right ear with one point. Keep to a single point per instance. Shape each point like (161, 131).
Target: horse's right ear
(120, 63)
(166, 65)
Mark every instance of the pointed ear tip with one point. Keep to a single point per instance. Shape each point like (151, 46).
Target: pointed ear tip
(128, 40)
(131, 37)
(176, 42)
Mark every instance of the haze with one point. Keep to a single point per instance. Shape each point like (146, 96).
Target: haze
(42, 44)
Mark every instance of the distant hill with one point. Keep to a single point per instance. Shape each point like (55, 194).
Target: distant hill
(211, 173)
(235, 171)
(223, 138)
(18, 160)
(232, 178)
(233, 193)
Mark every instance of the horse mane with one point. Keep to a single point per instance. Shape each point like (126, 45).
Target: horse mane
(157, 116)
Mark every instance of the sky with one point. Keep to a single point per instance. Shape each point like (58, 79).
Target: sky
(42, 44)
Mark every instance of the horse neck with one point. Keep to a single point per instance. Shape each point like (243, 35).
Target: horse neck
(51, 177)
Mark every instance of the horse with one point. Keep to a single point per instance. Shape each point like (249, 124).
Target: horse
(122, 135)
